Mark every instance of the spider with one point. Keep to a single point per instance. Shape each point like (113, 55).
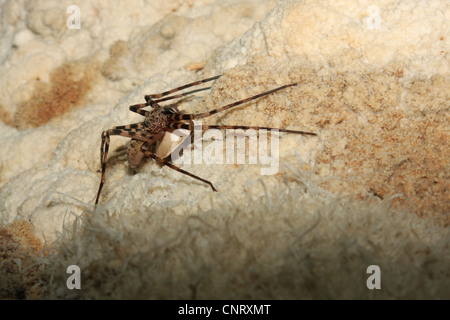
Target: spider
(162, 119)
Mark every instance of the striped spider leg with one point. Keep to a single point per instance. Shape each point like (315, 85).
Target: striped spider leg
(165, 119)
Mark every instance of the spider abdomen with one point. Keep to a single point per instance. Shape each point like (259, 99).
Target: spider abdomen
(135, 154)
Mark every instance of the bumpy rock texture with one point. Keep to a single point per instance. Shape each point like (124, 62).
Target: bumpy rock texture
(372, 188)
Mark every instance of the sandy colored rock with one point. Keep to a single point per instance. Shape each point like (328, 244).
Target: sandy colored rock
(371, 188)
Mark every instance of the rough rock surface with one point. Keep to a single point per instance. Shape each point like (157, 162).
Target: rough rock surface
(373, 82)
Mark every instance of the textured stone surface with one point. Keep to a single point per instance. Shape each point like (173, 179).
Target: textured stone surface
(373, 81)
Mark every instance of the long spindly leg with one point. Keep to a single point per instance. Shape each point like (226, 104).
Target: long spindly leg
(153, 102)
(103, 155)
(190, 126)
(192, 84)
(138, 109)
(178, 117)
(128, 131)
(150, 102)
(170, 165)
